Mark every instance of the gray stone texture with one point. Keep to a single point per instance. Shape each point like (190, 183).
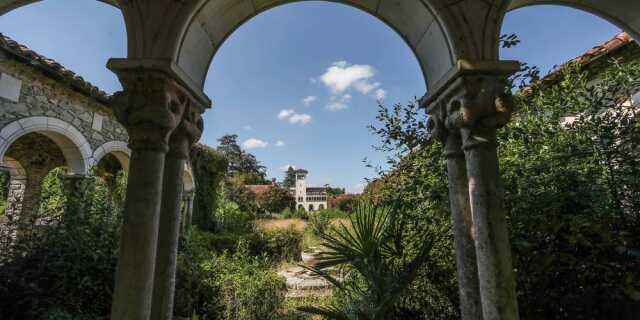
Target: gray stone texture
(42, 96)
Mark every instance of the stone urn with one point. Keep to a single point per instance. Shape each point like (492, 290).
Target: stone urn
(310, 257)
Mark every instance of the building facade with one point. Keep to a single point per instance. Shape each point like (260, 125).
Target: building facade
(308, 198)
(50, 118)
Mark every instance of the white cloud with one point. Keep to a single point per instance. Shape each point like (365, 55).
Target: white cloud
(293, 117)
(286, 167)
(285, 113)
(280, 143)
(339, 104)
(300, 118)
(341, 76)
(309, 100)
(365, 87)
(254, 143)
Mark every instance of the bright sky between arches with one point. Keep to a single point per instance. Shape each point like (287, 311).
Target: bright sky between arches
(298, 83)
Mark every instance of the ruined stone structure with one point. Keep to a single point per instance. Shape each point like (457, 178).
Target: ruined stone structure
(50, 118)
(170, 46)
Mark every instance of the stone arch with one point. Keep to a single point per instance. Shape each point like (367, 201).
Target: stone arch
(118, 149)
(622, 13)
(311, 208)
(74, 146)
(416, 21)
(9, 5)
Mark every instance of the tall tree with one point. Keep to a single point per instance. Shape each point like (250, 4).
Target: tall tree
(241, 163)
(290, 178)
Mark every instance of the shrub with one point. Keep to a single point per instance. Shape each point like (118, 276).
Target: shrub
(344, 202)
(275, 199)
(295, 214)
(66, 269)
(250, 290)
(277, 245)
(229, 218)
(226, 286)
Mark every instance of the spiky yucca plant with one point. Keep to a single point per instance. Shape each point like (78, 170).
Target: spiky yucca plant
(371, 280)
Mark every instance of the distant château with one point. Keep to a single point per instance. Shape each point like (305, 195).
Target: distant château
(308, 198)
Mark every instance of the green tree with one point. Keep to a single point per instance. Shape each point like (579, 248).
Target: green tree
(241, 162)
(275, 200)
(290, 178)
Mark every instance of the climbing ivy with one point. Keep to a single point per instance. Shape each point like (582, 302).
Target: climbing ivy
(209, 169)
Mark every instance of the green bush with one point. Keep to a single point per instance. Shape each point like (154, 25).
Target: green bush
(226, 286)
(250, 290)
(295, 214)
(277, 245)
(66, 269)
(229, 218)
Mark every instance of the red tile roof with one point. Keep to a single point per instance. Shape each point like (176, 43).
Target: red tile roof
(620, 40)
(52, 68)
(258, 189)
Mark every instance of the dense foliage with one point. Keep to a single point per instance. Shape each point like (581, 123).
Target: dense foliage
(569, 160)
(209, 169)
(374, 272)
(275, 200)
(64, 269)
(241, 163)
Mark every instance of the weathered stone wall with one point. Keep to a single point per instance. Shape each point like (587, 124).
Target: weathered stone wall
(43, 96)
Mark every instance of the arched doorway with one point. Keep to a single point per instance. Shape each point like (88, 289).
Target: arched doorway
(30, 149)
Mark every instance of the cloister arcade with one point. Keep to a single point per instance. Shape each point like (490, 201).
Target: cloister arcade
(170, 46)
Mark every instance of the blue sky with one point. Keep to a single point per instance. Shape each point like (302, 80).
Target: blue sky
(337, 58)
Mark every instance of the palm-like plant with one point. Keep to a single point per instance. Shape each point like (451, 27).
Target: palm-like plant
(363, 250)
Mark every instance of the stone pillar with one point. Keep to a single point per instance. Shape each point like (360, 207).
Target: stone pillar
(466, 262)
(470, 304)
(188, 210)
(182, 139)
(150, 107)
(475, 102)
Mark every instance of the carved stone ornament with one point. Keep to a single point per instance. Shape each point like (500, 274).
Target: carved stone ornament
(187, 133)
(151, 106)
(473, 105)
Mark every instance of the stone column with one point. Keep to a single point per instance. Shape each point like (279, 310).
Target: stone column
(150, 107)
(182, 139)
(466, 263)
(470, 304)
(188, 210)
(476, 103)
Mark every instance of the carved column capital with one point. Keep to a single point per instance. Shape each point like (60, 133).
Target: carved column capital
(474, 103)
(150, 106)
(187, 133)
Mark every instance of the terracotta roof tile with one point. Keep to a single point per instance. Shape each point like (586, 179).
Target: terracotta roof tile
(52, 68)
(258, 189)
(620, 40)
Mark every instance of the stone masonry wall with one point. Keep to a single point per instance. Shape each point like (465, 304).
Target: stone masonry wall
(43, 96)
